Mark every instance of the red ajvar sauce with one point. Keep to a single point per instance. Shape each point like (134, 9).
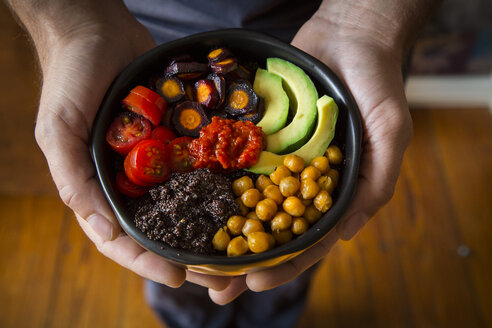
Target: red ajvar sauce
(227, 145)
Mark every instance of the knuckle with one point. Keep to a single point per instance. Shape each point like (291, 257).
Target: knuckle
(385, 193)
(100, 247)
(68, 195)
(41, 132)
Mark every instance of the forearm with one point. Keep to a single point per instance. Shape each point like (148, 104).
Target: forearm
(391, 24)
(49, 22)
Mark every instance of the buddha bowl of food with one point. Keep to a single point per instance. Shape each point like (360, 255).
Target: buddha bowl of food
(227, 151)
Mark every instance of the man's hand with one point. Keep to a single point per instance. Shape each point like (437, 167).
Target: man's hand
(82, 46)
(365, 44)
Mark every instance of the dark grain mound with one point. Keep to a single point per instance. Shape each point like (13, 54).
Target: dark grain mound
(187, 210)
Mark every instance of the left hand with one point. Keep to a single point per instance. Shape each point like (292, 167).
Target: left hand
(81, 48)
(372, 71)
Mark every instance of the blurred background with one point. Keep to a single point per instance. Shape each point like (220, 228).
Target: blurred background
(425, 260)
(452, 60)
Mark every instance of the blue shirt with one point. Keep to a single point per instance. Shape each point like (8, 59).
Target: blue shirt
(171, 19)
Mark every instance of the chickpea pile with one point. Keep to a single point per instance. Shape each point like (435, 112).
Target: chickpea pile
(277, 207)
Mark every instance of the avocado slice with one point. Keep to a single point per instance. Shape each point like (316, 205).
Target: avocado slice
(316, 146)
(269, 86)
(302, 96)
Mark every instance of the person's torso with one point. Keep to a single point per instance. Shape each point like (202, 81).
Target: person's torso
(172, 19)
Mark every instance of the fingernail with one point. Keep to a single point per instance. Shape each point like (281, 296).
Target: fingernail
(101, 226)
(352, 225)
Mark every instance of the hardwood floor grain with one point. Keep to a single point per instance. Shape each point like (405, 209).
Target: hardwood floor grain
(23, 168)
(52, 275)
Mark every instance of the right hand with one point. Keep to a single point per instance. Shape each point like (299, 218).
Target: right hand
(78, 64)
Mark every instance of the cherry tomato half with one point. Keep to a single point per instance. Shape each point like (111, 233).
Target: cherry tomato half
(143, 102)
(163, 134)
(126, 131)
(147, 163)
(151, 96)
(128, 188)
(179, 155)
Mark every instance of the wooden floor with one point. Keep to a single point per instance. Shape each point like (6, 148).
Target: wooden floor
(424, 261)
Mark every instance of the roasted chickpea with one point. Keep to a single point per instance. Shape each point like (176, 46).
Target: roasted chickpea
(266, 209)
(273, 192)
(294, 163)
(252, 225)
(293, 206)
(280, 172)
(221, 240)
(309, 188)
(334, 154)
(289, 186)
(251, 197)
(321, 163)
(333, 174)
(311, 214)
(262, 182)
(235, 224)
(241, 185)
(310, 172)
(306, 202)
(252, 215)
(237, 246)
(323, 201)
(258, 241)
(326, 183)
(299, 226)
(282, 236)
(281, 221)
(243, 209)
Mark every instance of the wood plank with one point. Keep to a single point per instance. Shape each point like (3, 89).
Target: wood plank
(465, 139)
(431, 233)
(28, 246)
(53, 276)
(19, 88)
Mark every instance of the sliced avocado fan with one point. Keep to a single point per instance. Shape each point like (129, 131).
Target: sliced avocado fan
(302, 97)
(316, 146)
(269, 86)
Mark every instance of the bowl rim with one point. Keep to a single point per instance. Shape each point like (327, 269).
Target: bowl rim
(341, 94)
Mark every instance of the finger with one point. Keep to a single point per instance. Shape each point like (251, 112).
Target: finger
(74, 174)
(229, 294)
(285, 272)
(213, 282)
(126, 252)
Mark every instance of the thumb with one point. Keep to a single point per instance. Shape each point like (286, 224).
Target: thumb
(387, 136)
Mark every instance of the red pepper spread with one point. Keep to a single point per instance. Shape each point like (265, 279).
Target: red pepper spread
(227, 145)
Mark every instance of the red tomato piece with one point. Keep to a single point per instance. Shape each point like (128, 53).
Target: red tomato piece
(151, 96)
(152, 109)
(147, 163)
(126, 131)
(163, 134)
(128, 188)
(179, 155)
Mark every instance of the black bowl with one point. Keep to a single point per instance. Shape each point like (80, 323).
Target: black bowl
(245, 44)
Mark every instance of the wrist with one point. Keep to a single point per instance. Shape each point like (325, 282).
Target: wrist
(391, 26)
